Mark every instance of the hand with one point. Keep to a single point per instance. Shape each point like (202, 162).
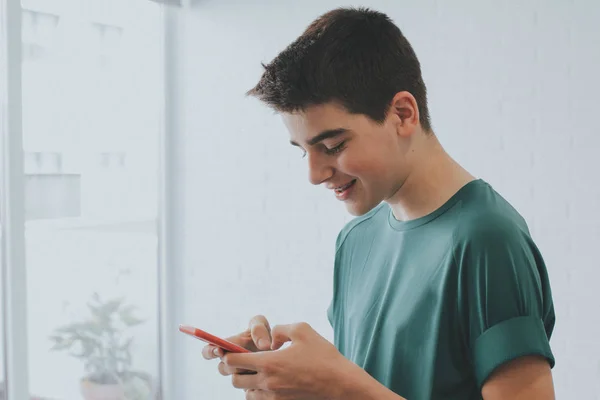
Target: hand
(311, 367)
(256, 338)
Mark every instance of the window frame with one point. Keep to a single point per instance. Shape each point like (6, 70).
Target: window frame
(171, 277)
(12, 212)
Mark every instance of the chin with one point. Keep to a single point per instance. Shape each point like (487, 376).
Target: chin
(359, 209)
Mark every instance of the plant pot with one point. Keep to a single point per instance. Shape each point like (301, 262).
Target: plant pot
(97, 391)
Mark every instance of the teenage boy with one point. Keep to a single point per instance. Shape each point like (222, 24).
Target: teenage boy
(439, 290)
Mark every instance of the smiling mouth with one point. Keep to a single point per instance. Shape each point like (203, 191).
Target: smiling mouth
(344, 187)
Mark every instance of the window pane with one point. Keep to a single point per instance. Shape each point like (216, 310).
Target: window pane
(91, 120)
(2, 375)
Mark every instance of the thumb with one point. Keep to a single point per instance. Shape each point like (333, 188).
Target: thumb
(260, 332)
(288, 333)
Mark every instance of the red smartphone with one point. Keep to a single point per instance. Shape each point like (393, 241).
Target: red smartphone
(212, 339)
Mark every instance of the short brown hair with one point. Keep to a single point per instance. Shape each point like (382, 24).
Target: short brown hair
(356, 57)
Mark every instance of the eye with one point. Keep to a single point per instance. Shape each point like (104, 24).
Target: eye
(336, 149)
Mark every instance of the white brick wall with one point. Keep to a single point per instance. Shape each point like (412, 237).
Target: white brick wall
(513, 96)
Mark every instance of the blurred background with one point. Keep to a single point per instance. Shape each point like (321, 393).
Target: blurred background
(141, 189)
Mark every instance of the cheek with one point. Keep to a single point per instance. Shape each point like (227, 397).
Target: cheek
(350, 164)
(369, 170)
(372, 162)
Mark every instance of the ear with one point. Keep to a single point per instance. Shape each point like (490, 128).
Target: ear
(404, 109)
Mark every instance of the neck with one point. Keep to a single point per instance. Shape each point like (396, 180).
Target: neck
(434, 178)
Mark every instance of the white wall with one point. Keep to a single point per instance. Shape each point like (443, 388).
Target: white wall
(513, 96)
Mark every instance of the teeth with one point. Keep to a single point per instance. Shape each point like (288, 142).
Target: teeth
(342, 188)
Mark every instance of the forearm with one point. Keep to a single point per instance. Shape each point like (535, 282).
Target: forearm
(356, 384)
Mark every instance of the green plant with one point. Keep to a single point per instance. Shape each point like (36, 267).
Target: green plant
(102, 341)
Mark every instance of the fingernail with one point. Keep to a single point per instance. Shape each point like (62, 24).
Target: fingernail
(264, 343)
(217, 352)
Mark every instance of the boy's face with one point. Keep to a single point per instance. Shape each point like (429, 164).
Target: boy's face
(362, 162)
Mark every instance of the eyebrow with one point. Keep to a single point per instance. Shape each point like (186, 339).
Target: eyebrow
(328, 134)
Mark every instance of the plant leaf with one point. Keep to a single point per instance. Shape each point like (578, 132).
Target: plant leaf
(125, 346)
(128, 318)
(56, 338)
(62, 344)
(111, 306)
(96, 297)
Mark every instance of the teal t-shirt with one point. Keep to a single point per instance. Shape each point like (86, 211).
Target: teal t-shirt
(430, 307)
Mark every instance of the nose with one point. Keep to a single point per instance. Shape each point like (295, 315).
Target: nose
(318, 169)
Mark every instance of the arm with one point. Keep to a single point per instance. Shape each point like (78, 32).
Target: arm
(356, 384)
(505, 310)
(527, 378)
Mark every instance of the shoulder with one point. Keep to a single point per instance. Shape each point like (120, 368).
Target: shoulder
(357, 226)
(489, 227)
(489, 219)
(492, 239)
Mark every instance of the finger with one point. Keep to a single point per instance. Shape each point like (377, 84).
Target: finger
(247, 361)
(288, 333)
(246, 381)
(281, 336)
(226, 370)
(261, 332)
(210, 352)
(242, 339)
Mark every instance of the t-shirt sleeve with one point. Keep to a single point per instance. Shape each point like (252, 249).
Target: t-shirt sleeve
(504, 302)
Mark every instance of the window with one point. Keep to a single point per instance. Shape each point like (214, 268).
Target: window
(91, 123)
(52, 196)
(2, 361)
(38, 31)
